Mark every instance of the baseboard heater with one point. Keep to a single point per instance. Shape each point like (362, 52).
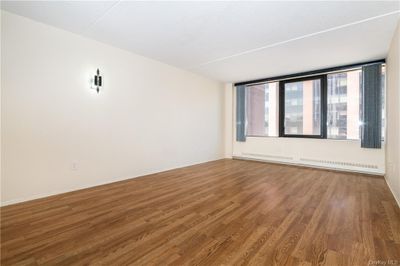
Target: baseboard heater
(336, 163)
(267, 156)
(310, 162)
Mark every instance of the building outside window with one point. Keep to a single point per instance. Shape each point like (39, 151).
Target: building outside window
(262, 109)
(302, 107)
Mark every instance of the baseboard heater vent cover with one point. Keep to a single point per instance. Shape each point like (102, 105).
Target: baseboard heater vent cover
(336, 163)
(267, 156)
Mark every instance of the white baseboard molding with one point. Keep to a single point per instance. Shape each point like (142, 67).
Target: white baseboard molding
(113, 180)
(391, 190)
(313, 165)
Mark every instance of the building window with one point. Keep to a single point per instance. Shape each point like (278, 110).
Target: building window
(262, 109)
(344, 108)
(301, 108)
(317, 104)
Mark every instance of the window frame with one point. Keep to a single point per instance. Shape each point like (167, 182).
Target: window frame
(323, 126)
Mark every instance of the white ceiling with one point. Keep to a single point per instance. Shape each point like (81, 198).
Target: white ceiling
(230, 41)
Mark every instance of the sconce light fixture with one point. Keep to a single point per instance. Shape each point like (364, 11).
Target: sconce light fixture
(97, 81)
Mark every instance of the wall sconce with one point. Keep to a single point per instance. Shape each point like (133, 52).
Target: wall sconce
(97, 82)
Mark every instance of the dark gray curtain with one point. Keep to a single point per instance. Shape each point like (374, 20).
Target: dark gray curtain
(240, 113)
(371, 106)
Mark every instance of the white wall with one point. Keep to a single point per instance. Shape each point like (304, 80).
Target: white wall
(335, 154)
(149, 117)
(393, 111)
(228, 117)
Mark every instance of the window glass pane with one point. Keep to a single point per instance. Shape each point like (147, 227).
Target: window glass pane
(344, 105)
(262, 109)
(303, 107)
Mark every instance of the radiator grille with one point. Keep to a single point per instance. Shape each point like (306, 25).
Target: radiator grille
(270, 156)
(336, 163)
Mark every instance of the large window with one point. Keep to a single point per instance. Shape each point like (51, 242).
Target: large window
(261, 109)
(301, 110)
(319, 105)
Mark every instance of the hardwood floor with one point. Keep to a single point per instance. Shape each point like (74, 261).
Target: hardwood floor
(226, 212)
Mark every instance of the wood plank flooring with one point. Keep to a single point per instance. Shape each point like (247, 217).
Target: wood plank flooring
(226, 212)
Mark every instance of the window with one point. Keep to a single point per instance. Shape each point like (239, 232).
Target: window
(344, 109)
(301, 107)
(317, 104)
(261, 109)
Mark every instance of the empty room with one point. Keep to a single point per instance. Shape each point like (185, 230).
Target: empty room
(200, 133)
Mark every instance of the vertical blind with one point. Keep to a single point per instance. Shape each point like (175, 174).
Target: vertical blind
(371, 133)
(240, 113)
